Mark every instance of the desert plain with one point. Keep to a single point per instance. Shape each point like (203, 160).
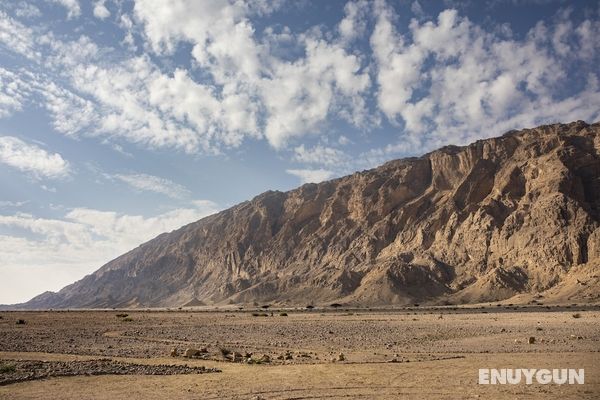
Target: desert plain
(409, 352)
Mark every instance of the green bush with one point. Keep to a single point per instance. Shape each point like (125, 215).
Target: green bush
(7, 368)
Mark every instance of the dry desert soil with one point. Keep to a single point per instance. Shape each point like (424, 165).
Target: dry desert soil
(413, 353)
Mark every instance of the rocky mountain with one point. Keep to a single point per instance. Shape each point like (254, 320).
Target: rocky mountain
(517, 215)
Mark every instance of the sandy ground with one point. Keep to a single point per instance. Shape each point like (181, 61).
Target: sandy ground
(437, 353)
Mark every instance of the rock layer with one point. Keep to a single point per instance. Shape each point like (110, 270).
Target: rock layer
(500, 217)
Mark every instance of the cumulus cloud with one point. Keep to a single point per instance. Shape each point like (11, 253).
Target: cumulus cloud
(72, 7)
(13, 92)
(354, 23)
(449, 80)
(60, 251)
(100, 10)
(151, 183)
(26, 10)
(32, 159)
(17, 37)
(303, 94)
(295, 95)
(320, 154)
(311, 175)
(437, 80)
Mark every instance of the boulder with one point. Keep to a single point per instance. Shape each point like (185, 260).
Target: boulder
(190, 352)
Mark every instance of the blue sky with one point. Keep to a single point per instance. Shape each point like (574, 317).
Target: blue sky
(120, 120)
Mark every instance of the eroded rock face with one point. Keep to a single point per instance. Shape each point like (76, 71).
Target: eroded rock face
(483, 222)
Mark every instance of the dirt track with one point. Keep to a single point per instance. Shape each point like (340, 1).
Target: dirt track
(437, 353)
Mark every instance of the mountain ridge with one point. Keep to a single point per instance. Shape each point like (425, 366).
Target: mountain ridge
(508, 216)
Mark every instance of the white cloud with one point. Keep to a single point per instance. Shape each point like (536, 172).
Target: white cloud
(150, 183)
(311, 175)
(320, 155)
(416, 9)
(26, 10)
(8, 203)
(450, 81)
(443, 80)
(64, 250)
(343, 140)
(305, 93)
(296, 96)
(253, 94)
(32, 159)
(100, 10)
(17, 37)
(354, 23)
(13, 92)
(72, 7)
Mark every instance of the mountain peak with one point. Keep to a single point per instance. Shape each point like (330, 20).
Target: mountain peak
(517, 214)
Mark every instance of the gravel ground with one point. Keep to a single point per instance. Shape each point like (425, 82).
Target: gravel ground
(366, 336)
(426, 353)
(13, 371)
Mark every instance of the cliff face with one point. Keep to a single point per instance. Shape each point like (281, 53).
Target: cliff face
(503, 216)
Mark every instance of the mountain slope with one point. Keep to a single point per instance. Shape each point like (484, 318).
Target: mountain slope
(499, 217)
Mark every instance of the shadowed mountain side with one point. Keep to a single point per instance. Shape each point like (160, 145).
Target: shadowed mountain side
(500, 217)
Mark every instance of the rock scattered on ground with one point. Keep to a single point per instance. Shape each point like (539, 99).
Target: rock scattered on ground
(19, 371)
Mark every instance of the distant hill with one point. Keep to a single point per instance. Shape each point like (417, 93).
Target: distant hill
(513, 215)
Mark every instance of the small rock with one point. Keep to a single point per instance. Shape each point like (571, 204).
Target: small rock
(265, 358)
(189, 353)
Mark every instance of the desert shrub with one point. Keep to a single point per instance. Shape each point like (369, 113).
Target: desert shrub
(283, 314)
(127, 319)
(310, 307)
(7, 368)
(122, 315)
(21, 322)
(576, 315)
(224, 351)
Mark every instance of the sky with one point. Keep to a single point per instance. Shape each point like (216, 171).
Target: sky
(120, 120)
